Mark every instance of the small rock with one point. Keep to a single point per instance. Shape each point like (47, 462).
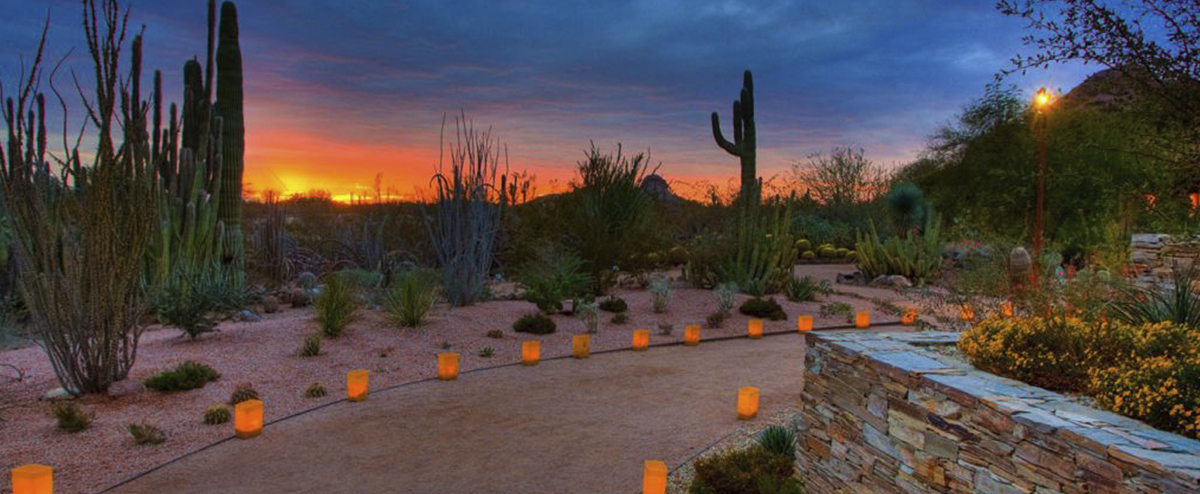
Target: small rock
(881, 280)
(299, 298)
(125, 387)
(270, 304)
(855, 278)
(247, 316)
(58, 394)
(899, 281)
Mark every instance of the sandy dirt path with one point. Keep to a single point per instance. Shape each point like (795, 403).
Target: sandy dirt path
(580, 426)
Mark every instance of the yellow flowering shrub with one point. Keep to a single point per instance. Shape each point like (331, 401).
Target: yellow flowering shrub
(1150, 372)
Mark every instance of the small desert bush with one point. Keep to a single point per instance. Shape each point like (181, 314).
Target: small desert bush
(410, 299)
(487, 352)
(534, 323)
(802, 289)
(660, 294)
(70, 417)
(763, 308)
(837, 309)
(217, 414)
(614, 304)
(1045, 352)
(620, 318)
(590, 315)
(146, 434)
(553, 276)
(1179, 304)
(311, 346)
(185, 376)
(724, 295)
(741, 471)
(495, 334)
(716, 319)
(243, 392)
(315, 390)
(336, 306)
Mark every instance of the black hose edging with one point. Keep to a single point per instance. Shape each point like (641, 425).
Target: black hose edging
(480, 369)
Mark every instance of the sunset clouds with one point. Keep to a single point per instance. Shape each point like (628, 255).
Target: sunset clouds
(338, 91)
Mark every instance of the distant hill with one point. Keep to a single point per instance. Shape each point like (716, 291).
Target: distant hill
(1108, 90)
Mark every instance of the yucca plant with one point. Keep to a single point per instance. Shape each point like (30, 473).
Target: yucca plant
(916, 257)
(410, 299)
(336, 306)
(778, 440)
(1178, 303)
(802, 289)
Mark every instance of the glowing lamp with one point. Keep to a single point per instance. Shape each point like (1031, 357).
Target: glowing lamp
(654, 478)
(356, 384)
(39, 479)
(967, 314)
(862, 319)
(910, 317)
(754, 329)
(641, 339)
(1042, 99)
(1006, 309)
(248, 419)
(447, 366)
(581, 346)
(747, 404)
(691, 335)
(531, 352)
(804, 323)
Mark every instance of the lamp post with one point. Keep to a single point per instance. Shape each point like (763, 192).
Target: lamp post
(1041, 103)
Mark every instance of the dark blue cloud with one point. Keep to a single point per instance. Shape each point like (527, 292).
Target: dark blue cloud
(551, 75)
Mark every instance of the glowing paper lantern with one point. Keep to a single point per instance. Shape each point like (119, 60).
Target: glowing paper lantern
(691, 335)
(804, 323)
(356, 384)
(581, 346)
(641, 339)
(1006, 309)
(654, 478)
(39, 479)
(967, 313)
(531, 352)
(747, 404)
(447, 366)
(862, 320)
(248, 419)
(910, 317)
(754, 329)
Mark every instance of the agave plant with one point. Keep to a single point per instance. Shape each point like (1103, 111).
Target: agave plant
(1178, 303)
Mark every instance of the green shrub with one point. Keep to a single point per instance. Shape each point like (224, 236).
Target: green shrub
(614, 304)
(361, 279)
(243, 392)
(802, 289)
(762, 308)
(716, 319)
(779, 440)
(146, 434)
(660, 294)
(185, 376)
(534, 323)
(620, 318)
(487, 352)
(217, 414)
(70, 417)
(555, 275)
(315, 390)
(409, 299)
(311, 346)
(740, 471)
(836, 309)
(916, 257)
(336, 306)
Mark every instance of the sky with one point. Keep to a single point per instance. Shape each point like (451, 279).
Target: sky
(339, 91)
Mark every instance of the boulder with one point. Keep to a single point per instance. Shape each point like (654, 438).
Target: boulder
(247, 316)
(125, 387)
(58, 394)
(897, 281)
(270, 304)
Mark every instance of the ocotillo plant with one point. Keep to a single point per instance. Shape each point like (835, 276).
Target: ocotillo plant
(233, 132)
(466, 217)
(745, 139)
(82, 231)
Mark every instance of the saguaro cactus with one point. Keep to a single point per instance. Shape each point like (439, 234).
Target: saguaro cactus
(744, 144)
(233, 139)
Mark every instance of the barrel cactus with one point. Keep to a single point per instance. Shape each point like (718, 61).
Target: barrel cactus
(808, 255)
(803, 244)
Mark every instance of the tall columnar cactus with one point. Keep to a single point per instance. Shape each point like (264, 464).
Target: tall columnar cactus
(745, 139)
(233, 148)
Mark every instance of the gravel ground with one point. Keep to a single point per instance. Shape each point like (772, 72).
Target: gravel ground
(264, 355)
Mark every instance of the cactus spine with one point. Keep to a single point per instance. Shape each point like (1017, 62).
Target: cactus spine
(745, 139)
(233, 148)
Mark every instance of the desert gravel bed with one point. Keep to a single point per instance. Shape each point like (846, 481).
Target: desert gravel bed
(264, 355)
